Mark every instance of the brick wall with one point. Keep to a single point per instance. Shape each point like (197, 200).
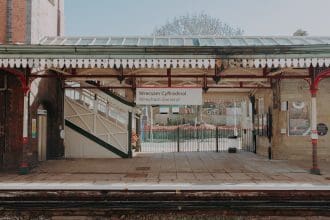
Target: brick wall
(13, 102)
(296, 147)
(43, 20)
(19, 21)
(3, 10)
(46, 92)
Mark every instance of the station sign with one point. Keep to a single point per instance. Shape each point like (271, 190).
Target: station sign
(169, 96)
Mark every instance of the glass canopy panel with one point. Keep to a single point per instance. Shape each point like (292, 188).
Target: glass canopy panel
(58, 41)
(192, 42)
(237, 42)
(48, 40)
(253, 41)
(206, 42)
(269, 41)
(146, 42)
(299, 41)
(161, 42)
(131, 41)
(116, 41)
(71, 41)
(222, 42)
(188, 42)
(85, 41)
(101, 41)
(326, 40)
(314, 41)
(283, 41)
(176, 42)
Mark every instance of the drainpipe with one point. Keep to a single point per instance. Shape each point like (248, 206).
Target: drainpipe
(28, 33)
(9, 26)
(58, 18)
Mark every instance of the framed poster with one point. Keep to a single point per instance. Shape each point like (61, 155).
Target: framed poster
(299, 120)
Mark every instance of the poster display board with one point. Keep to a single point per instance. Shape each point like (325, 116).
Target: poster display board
(299, 120)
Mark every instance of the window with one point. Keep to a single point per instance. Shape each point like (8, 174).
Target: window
(164, 109)
(175, 109)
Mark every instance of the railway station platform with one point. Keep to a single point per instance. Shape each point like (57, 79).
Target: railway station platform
(171, 171)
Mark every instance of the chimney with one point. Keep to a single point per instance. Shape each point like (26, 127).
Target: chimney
(58, 18)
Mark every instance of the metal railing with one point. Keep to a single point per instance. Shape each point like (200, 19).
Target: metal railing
(195, 139)
(93, 101)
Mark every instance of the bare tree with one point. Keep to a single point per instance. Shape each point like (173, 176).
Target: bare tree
(300, 32)
(197, 24)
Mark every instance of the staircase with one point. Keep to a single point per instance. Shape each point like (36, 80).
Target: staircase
(96, 125)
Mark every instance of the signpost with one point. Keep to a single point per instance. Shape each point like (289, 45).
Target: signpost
(169, 96)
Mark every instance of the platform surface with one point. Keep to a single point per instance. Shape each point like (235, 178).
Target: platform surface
(172, 171)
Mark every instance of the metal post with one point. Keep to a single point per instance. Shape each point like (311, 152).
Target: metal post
(270, 133)
(151, 124)
(217, 139)
(254, 131)
(314, 135)
(130, 135)
(138, 133)
(235, 119)
(95, 110)
(24, 167)
(178, 139)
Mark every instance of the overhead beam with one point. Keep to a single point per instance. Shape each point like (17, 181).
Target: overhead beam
(169, 73)
(130, 87)
(175, 76)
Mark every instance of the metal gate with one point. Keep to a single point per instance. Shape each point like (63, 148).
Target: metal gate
(196, 139)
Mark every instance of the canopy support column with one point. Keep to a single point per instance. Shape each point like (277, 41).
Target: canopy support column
(24, 166)
(314, 135)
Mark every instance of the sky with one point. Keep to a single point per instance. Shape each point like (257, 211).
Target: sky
(140, 17)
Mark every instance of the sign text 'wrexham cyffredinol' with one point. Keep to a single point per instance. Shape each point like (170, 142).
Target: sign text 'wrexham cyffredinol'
(169, 96)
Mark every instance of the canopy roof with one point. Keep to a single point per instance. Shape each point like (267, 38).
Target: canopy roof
(177, 41)
(175, 61)
(169, 52)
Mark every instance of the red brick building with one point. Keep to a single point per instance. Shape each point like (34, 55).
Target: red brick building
(25, 22)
